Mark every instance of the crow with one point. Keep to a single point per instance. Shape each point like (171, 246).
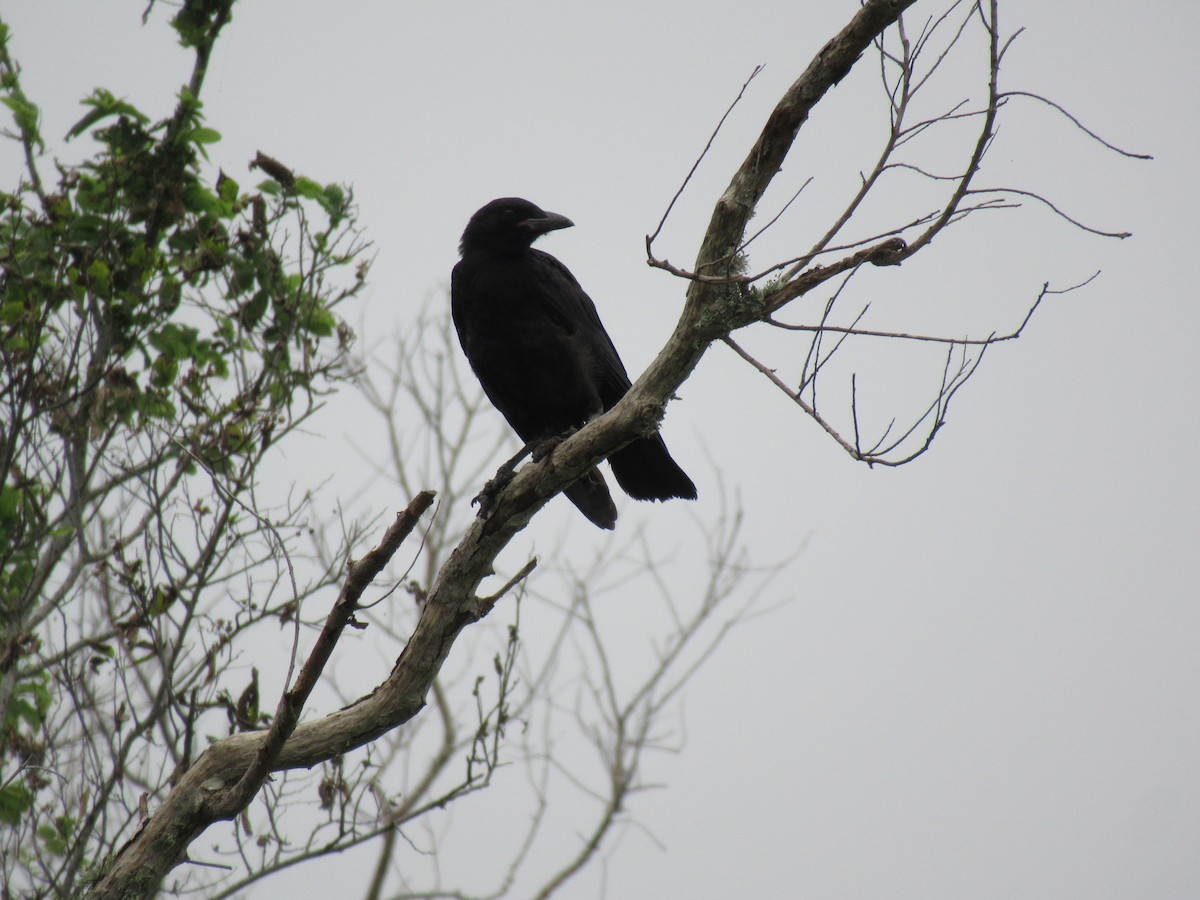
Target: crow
(536, 344)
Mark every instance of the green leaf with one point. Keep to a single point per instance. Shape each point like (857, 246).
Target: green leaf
(178, 340)
(14, 800)
(334, 201)
(17, 710)
(25, 114)
(162, 601)
(155, 405)
(104, 104)
(56, 836)
(200, 199)
(105, 650)
(241, 277)
(10, 502)
(169, 294)
(228, 189)
(85, 227)
(253, 312)
(164, 370)
(204, 135)
(306, 187)
(321, 322)
(41, 695)
(98, 275)
(52, 840)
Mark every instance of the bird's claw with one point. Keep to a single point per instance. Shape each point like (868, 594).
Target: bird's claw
(486, 498)
(536, 450)
(540, 449)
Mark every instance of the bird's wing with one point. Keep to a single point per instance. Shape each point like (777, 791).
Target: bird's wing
(569, 304)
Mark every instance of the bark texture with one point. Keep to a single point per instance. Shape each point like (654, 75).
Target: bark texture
(206, 793)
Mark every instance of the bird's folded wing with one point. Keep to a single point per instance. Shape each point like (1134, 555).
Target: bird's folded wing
(567, 303)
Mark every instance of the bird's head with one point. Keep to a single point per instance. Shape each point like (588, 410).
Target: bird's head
(509, 225)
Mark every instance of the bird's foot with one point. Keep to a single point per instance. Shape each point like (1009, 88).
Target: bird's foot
(540, 449)
(536, 450)
(486, 498)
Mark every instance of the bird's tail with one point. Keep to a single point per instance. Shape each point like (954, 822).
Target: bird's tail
(590, 494)
(645, 471)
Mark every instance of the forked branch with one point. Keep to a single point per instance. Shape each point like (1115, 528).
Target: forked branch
(721, 294)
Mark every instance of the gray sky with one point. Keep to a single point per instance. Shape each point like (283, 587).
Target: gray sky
(988, 682)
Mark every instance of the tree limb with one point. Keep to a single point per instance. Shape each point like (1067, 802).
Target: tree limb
(711, 311)
(229, 773)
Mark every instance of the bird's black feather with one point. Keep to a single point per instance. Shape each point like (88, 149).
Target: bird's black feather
(536, 343)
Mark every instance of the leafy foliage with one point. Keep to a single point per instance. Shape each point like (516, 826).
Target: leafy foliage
(161, 329)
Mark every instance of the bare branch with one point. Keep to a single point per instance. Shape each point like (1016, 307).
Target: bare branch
(1077, 123)
(1035, 196)
(219, 784)
(880, 452)
(650, 238)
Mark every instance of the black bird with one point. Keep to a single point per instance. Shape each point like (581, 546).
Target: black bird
(536, 343)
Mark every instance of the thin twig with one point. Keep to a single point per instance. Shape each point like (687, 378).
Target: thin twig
(650, 238)
(287, 714)
(1078, 124)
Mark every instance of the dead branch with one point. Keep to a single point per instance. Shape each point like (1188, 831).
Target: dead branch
(224, 778)
(732, 299)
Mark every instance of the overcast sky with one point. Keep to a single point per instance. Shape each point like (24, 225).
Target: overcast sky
(987, 683)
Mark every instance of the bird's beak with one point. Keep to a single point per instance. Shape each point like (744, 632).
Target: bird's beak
(546, 222)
